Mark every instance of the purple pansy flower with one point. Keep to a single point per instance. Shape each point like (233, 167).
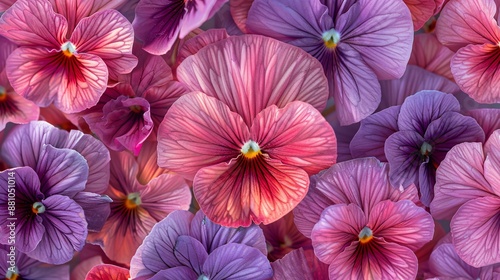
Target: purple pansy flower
(357, 42)
(415, 137)
(186, 246)
(24, 267)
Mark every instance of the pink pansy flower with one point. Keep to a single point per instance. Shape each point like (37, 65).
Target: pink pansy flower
(13, 107)
(248, 140)
(471, 30)
(361, 225)
(158, 23)
(142, 195)
(467, 190)
(73, 72)
(130, 112)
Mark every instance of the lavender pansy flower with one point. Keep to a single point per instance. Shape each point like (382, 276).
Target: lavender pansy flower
(187, 246)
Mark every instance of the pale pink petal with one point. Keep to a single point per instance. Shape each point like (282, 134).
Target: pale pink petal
(296, 135)
(73, 83)
(475, 229)
(108, 35)
(199, 131)
(148, 163)
(292, 265)
(459, 179)
(196, 13)
(431, 55)
(17, 109)
(196, 43)
(402, 222)
(5, 4)
(378, 260)
(249, 73)
(261, 190)
(444, 262)
(7, 48)
(34, 23)
(487, 118)
(239, 11)
(492, 166)
(336, 230)
(467, 22)
(421, 11)
(476, 70)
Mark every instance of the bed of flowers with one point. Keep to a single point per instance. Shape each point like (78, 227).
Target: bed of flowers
(249, 139)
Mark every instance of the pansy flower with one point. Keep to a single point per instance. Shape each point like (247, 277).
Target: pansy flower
(128, 113)
(470, 29)
(357, 42)
(142, 195)
(361, 225)
(159, 23)
(187, 246)
(13, 107)
(415, 137)
(247, 137)
(467, 191)
(24, 267)
(55, 64)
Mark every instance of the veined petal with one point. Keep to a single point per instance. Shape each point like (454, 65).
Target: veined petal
(336, 230)
(430, 54)
(237, 261)
(198, 42)
(178, 273)
(420, 109)
(421, 11)
(5, 4)
(459, 178)
(65, 230)
(402, 150)
(291, 265)
(487, 118)
(467, 22)
(110, 36)
(239, 12)
(249, 73)
(476, 70)
(261, 190)
(33, 23)
(196, 13)
(17, 109)
(296, 135)
(402, 222)
(191, 253)
(95, 207)
(474, 229)
(107, 272)
(444, 262)
(374, 130)
(199, 131)
(378, 260)
(381, 32)
(7, 48)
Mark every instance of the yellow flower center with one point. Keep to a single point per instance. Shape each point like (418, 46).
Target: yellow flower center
(12, 275)
(133, 201)
(250, 149)
(68, 49)
(365, 235)
(331, 38)
(3, 94)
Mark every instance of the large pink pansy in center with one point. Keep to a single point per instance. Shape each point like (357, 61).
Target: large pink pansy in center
(251, 133)
(71, 73)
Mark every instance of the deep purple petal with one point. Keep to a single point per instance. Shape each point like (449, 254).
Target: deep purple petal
(190, 252)
(96, 208)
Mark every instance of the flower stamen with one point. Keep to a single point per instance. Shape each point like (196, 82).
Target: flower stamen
(38, 208)
(250, 149)
(331, 38)
(68, 49)
(365, 235)
(133, 201)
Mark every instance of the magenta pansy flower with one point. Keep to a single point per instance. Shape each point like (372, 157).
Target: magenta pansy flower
(247, 138)
(468, 192)
(24, 267)
(357, 42)
(361, 225)
(414, 138)
(13, 107)
(159, 23)
(142, 196)
(471, 30)
(186, 246)
(130, 112)
(55, 64)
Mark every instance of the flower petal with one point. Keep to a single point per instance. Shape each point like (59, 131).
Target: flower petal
(296, 135)
(197, 13)
(65, 230)
(17, 109)
(459, 178)
(487, 118)
(421, 11)
(190, 252)
(475, 69)
(234, 70)
(292, 265)
(196, 43)
(178, 273)
(96, 209)
(33, 23)
(431, 55)
(336, 230)
(239, 12)
(237, 261)
(110, 36)
(374, 130)
(467, 22)
(107, 272)
(444, 262)
(403, 223)
(420, 109)
(402, 150)
(261, 190)
(474, 229)
(379, 260)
